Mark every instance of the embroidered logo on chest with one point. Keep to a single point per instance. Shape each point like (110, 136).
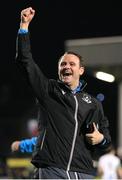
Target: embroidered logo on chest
(63, 92)
(86, 98)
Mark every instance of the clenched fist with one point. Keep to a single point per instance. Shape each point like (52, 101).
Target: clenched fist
(26, 17)
(94, 138)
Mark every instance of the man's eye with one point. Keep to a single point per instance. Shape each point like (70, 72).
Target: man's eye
(63, 64)
(72, 64)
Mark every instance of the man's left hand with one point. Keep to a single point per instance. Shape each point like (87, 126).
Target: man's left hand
(94, 138)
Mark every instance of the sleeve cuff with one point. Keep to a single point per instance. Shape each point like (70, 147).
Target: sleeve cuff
(22, 31)
(103, 142)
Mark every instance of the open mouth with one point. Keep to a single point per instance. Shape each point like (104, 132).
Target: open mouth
(67, 74)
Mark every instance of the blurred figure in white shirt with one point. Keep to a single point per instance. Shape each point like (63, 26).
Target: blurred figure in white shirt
(109, 165)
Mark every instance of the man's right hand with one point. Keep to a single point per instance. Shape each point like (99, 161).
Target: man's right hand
(26, 17)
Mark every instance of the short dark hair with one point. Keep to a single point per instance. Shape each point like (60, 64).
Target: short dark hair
(81, 60)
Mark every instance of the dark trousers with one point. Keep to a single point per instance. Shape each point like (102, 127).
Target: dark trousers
(56, 173)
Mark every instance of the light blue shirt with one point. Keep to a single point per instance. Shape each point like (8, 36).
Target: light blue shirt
(22, 31)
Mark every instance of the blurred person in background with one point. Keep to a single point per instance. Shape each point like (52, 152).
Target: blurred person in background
(109, 165)
(24, 146)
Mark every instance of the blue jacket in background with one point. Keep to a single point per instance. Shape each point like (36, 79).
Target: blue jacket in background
(27, 145)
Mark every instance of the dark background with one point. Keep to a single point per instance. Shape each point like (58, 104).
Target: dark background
(54, 22)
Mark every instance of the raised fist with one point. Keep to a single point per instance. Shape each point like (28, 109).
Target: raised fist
(27, 15)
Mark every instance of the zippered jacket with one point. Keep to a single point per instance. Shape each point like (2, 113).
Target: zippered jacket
(65, 117)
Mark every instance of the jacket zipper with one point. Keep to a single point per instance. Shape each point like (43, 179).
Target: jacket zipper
(43, 139)
(75, 134)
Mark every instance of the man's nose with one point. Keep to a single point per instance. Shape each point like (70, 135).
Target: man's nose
(67, 65)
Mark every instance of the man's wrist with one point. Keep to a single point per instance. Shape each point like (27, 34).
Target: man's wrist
(103, 141)
(24, 25)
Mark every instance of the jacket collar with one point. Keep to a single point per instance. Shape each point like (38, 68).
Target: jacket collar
(80, 88)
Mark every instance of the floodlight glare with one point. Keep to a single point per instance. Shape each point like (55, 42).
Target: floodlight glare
(104, 76)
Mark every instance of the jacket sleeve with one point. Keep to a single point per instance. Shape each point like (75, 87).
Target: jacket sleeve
(97, 116)
(103, 127)
(31, 71)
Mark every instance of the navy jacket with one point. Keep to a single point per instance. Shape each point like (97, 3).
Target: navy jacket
(65, 117)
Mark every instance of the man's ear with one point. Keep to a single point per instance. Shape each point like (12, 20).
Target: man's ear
(81, 70)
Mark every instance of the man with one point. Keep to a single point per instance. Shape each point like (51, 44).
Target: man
(74, 125)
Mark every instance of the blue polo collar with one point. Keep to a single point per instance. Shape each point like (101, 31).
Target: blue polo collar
(78, 89)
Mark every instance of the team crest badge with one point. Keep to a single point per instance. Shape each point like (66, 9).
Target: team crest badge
(87, 98)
